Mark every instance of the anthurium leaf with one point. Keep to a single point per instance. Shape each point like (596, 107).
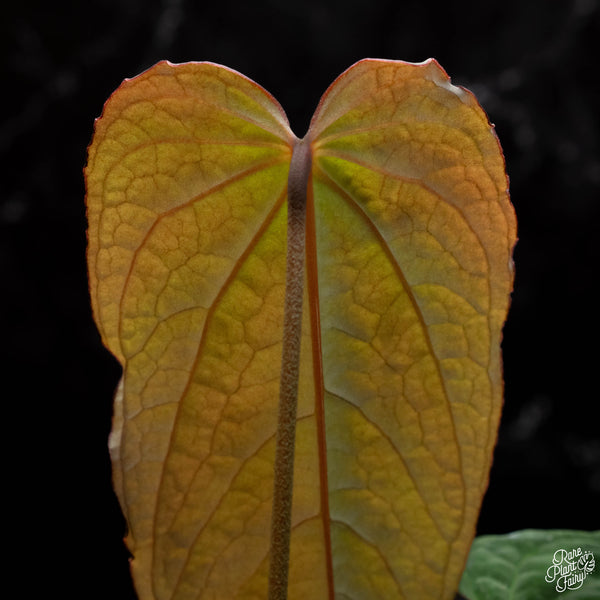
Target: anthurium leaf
(533, 565)
(407, 276)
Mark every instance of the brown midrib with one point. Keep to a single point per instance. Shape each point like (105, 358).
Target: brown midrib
(315, 334)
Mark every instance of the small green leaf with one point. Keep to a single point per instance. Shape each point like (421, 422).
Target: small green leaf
(516, 566)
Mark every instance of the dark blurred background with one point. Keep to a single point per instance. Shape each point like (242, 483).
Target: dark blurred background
(533, 65)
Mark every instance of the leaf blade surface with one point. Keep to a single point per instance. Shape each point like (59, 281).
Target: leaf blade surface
(414, 238)
(516, 565)
(407, 280)
(193, 159)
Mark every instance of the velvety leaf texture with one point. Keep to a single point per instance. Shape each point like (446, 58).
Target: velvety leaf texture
(521, 566)
(408, 274)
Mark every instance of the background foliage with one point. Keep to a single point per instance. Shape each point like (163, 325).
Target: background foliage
(531, 65)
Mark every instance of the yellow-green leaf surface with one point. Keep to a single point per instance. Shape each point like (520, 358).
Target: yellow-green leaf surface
(407, 282)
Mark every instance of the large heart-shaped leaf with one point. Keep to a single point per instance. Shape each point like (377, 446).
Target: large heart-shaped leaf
(407, 276)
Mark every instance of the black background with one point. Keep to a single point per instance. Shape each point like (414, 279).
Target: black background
(532, 64)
